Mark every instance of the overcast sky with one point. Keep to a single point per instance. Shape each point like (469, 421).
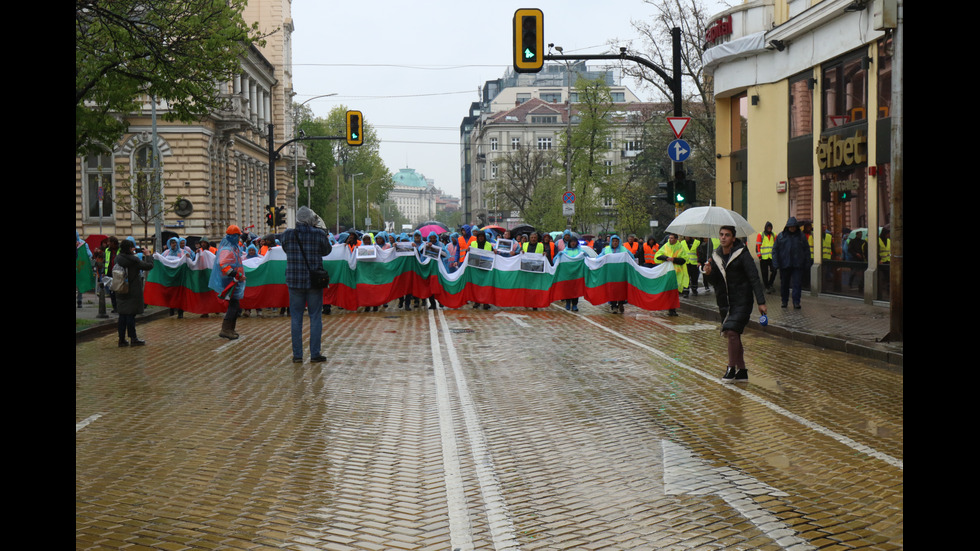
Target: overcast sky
(414, 68)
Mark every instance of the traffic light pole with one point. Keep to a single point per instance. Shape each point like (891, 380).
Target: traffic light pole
(274, 155)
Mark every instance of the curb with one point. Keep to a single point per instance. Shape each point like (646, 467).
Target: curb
(858, 348)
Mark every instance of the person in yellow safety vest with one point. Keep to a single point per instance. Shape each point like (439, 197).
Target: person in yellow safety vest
(690, 246)
(884, 246)
(827, 246)
(763, 249)
(673, 252)
(533, 245)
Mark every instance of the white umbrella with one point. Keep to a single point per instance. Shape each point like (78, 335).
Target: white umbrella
(707, 221)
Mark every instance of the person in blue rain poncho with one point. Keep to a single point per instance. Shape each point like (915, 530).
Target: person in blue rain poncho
(571, 252)
(615, 246)
(228, 270)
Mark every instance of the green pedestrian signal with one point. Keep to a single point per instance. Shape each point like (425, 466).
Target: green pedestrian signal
(355, 128)
(528, 40)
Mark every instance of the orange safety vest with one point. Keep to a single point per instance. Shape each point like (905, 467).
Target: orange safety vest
(632, 247)
(650, 253)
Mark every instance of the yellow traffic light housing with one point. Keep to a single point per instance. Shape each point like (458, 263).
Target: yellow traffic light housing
(528, 40)
(355, 128)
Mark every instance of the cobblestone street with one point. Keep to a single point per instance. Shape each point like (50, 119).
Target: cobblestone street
(472, 429)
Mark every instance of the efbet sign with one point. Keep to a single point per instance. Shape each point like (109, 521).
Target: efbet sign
(840, 152)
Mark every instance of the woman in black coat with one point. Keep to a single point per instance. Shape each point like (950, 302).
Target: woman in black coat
(130, 304)
(733, 274)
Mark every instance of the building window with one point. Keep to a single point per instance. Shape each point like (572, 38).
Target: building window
(521, 98)
(551, 97)
(515, 143)
(634, 145)
(800, 106)
(884, 77)
(544, 119)
(493, 144)
(845, 89)
(544, 143)
(609, 144)
(98, 182)
(740, 121)
(618, 97)
(493, 170)
(609, 167)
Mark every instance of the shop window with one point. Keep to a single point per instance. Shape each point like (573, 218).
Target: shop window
(845, 89)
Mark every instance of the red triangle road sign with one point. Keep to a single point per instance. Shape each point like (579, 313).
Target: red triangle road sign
(678, 124)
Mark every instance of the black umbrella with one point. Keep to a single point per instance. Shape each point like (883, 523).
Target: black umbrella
(523, 229)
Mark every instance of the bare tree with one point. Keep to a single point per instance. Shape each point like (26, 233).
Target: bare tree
(698, 101)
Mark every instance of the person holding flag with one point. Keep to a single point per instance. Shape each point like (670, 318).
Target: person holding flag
(228, 279)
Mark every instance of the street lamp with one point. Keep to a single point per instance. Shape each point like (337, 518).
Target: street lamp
(353, 213)
(296, 132)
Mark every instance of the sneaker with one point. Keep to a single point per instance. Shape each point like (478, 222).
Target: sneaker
(733, 375)
(574, 308)
(318, 359)
(297, 360)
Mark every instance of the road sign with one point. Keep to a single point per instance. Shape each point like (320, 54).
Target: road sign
(568, 197)
(678, 124)
(568, 209)
(678, 151)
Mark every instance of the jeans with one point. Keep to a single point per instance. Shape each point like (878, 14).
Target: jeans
(300, 299)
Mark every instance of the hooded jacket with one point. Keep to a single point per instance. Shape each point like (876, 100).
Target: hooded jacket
(791, 249)
(735, 279)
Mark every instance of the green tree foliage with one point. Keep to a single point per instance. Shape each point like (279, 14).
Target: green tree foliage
(588, 142)
(173, 50)
(361, 165)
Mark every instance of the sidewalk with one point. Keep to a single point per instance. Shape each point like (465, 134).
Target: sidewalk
(836, 323)
(841, 324)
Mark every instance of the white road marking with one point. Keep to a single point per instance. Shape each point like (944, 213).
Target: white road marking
(516, 318)
(893, 461)
(460, 531)
(502, 530)
(86, 422)
(686, 474)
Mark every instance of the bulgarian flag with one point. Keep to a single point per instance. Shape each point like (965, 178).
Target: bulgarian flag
(387, 275)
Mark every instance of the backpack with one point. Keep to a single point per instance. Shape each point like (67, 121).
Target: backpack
(120, 280)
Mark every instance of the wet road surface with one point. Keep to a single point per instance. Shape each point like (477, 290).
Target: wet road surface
(472, 429)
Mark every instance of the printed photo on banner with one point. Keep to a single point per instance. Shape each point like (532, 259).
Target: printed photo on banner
(480, 259)
(366, 252)
(432, 251)
(505, 246)
(404, 248)
(532, 262)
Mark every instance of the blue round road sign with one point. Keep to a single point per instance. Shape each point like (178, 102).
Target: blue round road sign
(568, 197)
(678, 151)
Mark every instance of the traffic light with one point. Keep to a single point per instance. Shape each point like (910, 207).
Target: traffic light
(355, 128)
(270, 216)
(280, 215)
(684, 192)
(528, 40)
